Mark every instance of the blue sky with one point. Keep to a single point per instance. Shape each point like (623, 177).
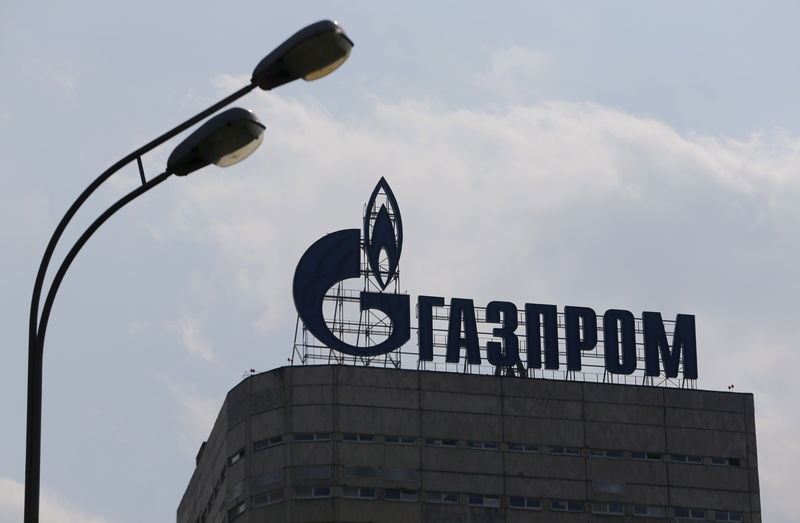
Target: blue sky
(623, 154)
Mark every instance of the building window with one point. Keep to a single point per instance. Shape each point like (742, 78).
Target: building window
(400, 495)
(609, 487)
(236, 457)
(268, 479)
(312, 492)
(234, 493)
(312, 436)
(399, 440)
(236, 511)
(268, 498)
(267, 443)
(649, 511)
(525, 503)
(307, 472)
(725, 462)
(358, 492)
(441, 442)
(523, 447)
(485, 445)
(480, 500)
(364, 438)
(355, 471)
(399, 474)
(565, 451)
(560, 505)
(690, 513)
(442, 497)
(646, 456)
(682, 458)
(720, 515)
(605, 453)
(608, 509)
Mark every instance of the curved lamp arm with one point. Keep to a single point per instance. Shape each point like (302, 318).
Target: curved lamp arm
(36, 346)
(62, 225)
(62, 269)
(311, 53)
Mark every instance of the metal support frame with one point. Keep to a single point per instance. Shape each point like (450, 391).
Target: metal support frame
(307, 350)
(370, 328)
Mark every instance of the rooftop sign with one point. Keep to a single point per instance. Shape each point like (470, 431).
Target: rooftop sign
(519, 338)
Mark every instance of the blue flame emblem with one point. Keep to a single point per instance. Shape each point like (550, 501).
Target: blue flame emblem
(335, 258)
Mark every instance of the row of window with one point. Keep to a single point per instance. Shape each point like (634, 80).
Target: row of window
(491, 501)
(490, 445)
(315, 472)
(323, 472)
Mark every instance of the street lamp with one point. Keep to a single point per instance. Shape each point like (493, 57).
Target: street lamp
(224, 140)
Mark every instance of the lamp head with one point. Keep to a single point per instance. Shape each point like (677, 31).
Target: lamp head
(311, 53)
(224, 140)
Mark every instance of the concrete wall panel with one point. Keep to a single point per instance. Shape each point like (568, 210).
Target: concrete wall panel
(378, 377)
(375, 420)
(640, 472)
(447, 381)
(708, 400)
(313, 395)
(542, 408)
(460, 402)
(462, 460)
(312, 418)
(648, 438)
(546, 488)
(622, 394)
(464, 483)
(700, 498)
(267, 424)
(633, 414)
(563, 433)
(699, 476)
(311, 374)
(706, 442)
(463, 426)
(705, 419)
(378, 397)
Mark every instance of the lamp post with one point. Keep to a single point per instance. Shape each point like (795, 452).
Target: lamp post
(231, 136)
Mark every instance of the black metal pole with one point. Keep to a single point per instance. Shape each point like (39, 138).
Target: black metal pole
(35, 346)
(35, 357)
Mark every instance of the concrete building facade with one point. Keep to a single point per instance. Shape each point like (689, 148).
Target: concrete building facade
(362, 444)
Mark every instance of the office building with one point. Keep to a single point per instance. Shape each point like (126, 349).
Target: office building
(336, 443)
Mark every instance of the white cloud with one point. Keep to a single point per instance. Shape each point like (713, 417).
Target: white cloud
(194, 414)
(53, 508)
(514, 70)
(560, 202)
(190, 333)
(60, 75)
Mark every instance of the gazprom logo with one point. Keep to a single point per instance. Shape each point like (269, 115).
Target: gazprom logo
(548, 336)
(337, 257)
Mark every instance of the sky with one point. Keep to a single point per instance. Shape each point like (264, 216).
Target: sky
(622, 154)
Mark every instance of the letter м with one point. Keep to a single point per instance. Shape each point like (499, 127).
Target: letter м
(683, 341)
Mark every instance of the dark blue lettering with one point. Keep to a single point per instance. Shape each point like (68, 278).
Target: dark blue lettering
(462, 309)
(683, 341)
(506, 353)
(614, 321)
(425, 305)
(537, 314)
(580, 326)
